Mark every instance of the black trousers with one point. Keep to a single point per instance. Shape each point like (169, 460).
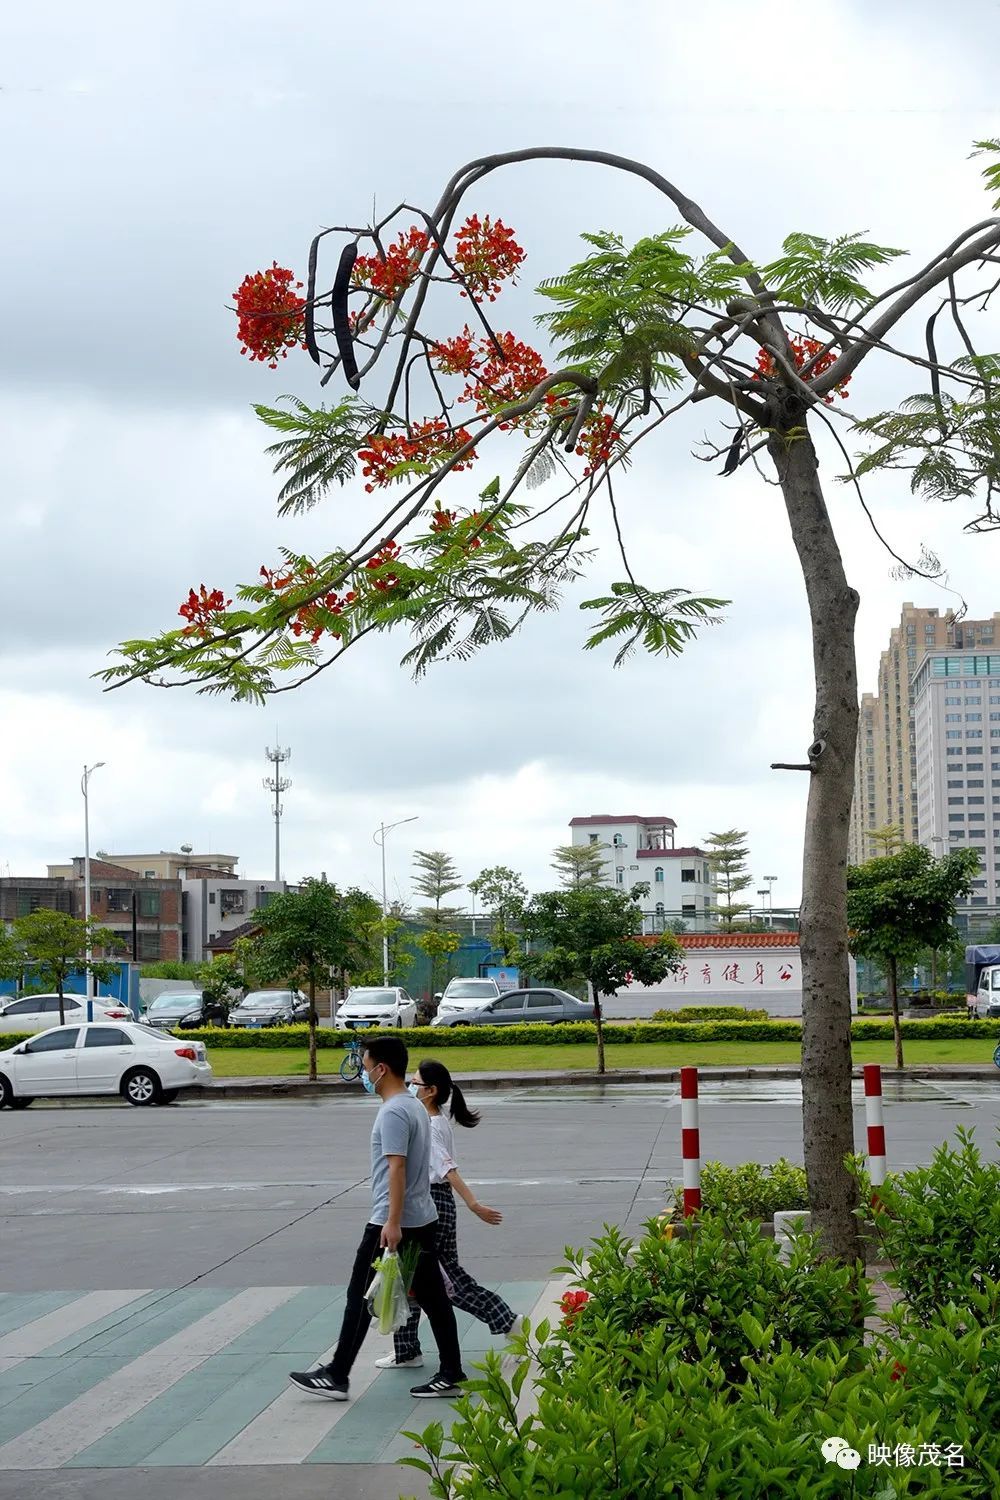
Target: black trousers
(428, 1291)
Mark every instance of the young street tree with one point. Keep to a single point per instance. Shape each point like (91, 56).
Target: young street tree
(55, 946)
(435, 878)
(304, 934)
(635, 333)
(593, 933)
(502, 893)
(900, 904)
(579, 864)
(728, 862)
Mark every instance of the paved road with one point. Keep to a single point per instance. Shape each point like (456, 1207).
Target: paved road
(161, 1271)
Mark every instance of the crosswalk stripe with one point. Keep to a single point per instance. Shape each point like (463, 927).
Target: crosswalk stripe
(58, 1438)
(41, 1333)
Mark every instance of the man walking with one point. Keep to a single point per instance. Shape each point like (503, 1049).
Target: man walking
(402, 1212)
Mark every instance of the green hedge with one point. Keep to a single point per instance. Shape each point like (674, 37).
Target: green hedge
(436, 1038)
(698, 1013)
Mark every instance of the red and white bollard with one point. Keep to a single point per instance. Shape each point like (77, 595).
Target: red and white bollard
(690, 1142)
(876, 1130)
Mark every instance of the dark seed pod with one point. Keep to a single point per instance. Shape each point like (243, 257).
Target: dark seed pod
(341, 322)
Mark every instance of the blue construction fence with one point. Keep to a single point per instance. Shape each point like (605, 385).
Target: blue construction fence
(123, 985)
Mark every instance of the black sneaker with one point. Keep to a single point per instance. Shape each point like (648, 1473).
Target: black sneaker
(319, 1383)
(439, 1386)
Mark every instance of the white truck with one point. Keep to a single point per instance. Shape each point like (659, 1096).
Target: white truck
(982, 970)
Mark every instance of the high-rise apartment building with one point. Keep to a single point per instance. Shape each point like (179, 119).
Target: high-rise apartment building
(885, 779)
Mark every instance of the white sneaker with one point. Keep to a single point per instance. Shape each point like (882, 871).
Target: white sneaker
(390, 1362)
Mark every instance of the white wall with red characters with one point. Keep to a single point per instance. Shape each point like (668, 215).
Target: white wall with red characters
(764, 978)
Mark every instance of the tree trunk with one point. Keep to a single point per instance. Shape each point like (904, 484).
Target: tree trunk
(599, 1020)
(827, 1114)
(892, 977)
(312, 1028)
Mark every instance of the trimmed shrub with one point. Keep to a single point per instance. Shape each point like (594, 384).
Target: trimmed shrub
(750, 1191)
(688, 1013)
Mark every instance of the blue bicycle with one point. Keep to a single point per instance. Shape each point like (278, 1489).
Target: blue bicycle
(350, 1067)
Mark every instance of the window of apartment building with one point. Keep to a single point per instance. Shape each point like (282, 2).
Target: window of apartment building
(658, 875)
(953, 734)
(953, 718)
(973, 734)
(689, 910)
(659, 908)
(980, 901)
(971, 784)
(119, 900)
(956, 817)
(620, 875)
(974, 800)
(973, 702)
(151, 874)
(956, 785)
(956, 702)
(233, 902)
(149, 947)
(618, 841)
(593, 838)
(979, 885)
(687, 876)
(149, 903)
(977, 817)
(972, 684)
(955, 801)
(973, 718)
(974, 765)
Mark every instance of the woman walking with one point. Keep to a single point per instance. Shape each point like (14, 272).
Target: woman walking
(433, 1085)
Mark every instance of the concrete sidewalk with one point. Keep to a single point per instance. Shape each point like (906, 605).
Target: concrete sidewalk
(331, 1086)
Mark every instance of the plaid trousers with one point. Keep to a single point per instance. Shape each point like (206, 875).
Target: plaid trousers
(466, 1293)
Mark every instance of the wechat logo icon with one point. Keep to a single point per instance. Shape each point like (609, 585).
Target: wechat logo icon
(836, 1451)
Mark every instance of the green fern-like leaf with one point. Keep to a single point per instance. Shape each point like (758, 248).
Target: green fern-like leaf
(320, 449)
(662, 622)
(825, 272)
(991, 171)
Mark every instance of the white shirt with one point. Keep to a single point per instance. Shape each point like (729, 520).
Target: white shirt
(442, 1148)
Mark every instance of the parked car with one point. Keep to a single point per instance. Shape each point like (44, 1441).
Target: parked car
(463, 996)
(270, 1008)
(376, 1005)
(519, 1006)
(183, 1010)
(141, 1065)
(39, 1012)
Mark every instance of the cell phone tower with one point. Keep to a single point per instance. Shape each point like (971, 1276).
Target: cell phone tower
(277, 784)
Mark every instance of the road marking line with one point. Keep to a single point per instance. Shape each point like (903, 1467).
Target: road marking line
(105, 1406)
(35, 1337)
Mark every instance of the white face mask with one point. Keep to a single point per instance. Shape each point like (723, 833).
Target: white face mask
(414, 1089)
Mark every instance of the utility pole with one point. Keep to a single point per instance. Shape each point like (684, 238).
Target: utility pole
(277, 784)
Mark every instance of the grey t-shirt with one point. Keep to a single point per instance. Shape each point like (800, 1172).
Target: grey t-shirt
(402, 1128)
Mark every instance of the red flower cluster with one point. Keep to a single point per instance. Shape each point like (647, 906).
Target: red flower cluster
(427, 441)
(507, 378)
(387, 553)
(394, 274)
(457, 356)
(803, 349)
(201, 608)
(442, 520)
(486, 253)
(570, 1306)
(271, 314)
(308, 617)
(598, 440)
(898, 1371)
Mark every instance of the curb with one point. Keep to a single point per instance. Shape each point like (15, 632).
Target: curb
(333, 1087)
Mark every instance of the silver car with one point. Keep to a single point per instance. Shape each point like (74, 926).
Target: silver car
(518, 1006)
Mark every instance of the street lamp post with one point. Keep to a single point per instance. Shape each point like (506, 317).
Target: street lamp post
(378, 837)
(88, 771)
(763, 909)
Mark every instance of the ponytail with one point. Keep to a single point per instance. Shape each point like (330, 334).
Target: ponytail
(436, 1076)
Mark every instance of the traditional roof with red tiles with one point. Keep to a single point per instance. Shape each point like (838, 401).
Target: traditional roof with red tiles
(622, 818)
(725, 940)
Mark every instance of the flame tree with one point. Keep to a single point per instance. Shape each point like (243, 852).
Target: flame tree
(633, 334)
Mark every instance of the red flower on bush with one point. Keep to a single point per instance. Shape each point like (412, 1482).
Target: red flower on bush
(598, 441)
(898, 1371)
(486, 253)
(570, 1306)
(271, 314)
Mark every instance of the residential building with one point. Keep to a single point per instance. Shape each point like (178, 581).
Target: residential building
(956, 698)
(885, 790)
(213, 899)
(20, 895)
(643, 849)
(132, 906)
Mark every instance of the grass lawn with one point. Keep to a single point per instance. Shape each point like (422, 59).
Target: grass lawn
(231, 1062)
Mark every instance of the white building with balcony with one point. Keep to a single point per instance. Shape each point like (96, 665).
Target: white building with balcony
(643, 849)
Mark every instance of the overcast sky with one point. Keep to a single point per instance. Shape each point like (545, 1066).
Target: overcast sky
(153, 155)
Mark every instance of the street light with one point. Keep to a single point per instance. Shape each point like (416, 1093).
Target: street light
(88, 771)
(378, 837)
(762, 893)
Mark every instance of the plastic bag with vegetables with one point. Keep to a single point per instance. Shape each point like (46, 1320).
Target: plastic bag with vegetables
(388, 1295)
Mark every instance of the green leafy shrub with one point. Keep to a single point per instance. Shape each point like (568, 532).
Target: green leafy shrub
(689, 1013)
(14, 1040)
(750, 1191)
(939, 1227)
(635, 1419)
(703, 1288)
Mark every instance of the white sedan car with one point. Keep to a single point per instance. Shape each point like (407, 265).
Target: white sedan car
(39, 1012)
(95, 1058)
(376, 1005)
